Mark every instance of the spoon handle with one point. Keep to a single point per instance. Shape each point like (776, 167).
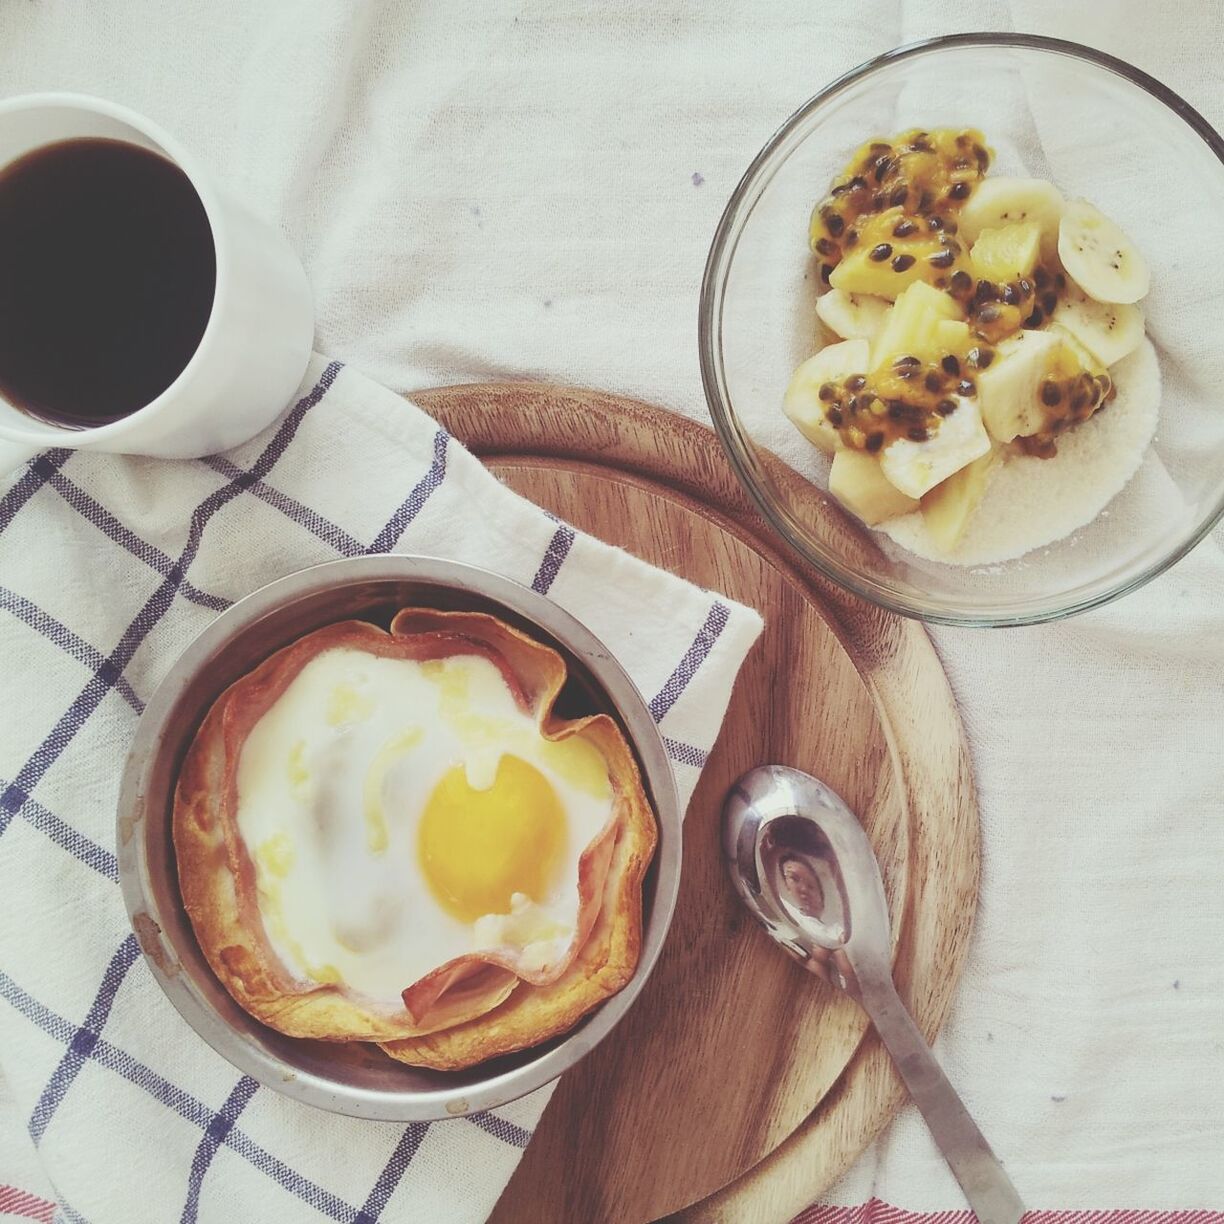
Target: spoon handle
(987, 1187)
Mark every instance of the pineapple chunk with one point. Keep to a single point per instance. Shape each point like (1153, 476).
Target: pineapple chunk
(802, 401)
(952, 336)
(884, 262)
(1008, 390)
(917, 467)
(856, 481)
(948, 507)
(859, 273)
(911, 325)
(1007, 253)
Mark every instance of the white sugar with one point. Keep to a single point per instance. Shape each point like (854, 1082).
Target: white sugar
(1033, 502)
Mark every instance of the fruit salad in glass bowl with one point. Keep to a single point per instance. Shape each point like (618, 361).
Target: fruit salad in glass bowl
(930, 323)
(972, 321)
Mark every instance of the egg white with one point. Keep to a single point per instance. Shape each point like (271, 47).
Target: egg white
(332, 783)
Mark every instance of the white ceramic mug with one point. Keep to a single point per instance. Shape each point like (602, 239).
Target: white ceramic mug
(259, 335)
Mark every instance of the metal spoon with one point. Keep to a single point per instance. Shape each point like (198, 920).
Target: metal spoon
(803, 865)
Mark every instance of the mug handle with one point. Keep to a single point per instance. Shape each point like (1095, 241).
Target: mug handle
(13, 454)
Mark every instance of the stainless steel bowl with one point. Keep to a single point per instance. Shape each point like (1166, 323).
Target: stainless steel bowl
(355, 1078)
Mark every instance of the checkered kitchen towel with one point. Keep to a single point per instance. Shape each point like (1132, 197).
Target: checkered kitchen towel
(109, 566)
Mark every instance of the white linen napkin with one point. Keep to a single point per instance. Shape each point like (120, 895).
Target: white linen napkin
(109, 567)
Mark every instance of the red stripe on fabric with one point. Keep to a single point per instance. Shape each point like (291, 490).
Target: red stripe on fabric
(876, 1211)
(28, 1206)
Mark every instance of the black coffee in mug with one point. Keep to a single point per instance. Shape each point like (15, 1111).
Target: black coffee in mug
(107, 276)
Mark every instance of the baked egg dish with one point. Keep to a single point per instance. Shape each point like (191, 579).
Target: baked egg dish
(389, 836)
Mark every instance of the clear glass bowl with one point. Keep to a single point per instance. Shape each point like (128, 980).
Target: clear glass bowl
(1097, 128)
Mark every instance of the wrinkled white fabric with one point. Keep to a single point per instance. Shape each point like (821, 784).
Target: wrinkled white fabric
(528, 189)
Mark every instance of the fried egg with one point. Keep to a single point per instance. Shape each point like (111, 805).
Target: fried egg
(402, 813)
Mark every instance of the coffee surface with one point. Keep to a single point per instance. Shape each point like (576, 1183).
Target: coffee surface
(107, 277)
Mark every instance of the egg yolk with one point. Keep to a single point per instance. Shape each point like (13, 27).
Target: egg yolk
(480, 847)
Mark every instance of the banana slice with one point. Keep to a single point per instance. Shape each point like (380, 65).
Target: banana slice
(917, 467)
(1008, 390)
(853, 316)
(802, 402)
(997, 202)
(1108, 330)
(1099, 257)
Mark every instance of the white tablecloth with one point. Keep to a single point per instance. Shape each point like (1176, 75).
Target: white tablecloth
(527, 189)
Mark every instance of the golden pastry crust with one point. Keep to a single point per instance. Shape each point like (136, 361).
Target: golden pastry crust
(217, 877)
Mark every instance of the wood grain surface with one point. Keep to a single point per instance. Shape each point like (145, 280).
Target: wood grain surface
(739, 1086)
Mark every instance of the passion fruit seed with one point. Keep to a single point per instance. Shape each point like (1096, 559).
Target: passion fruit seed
(1051, 394)
(904, 228)
(933, 382)
(942, 259)
(951, 366)
(901, 263)
(834, 223)
(880, 253)
(827, 391)
(946, 407)
(1048, 302)
(1034, 320)
(856, 382)
(906, 360)
(966, 387)
(959, 191)
(835, 417)
(875, 441)
(918, 434)
(962, 282)
(899, 196)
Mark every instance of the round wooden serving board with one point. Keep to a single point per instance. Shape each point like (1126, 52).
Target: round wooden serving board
(739, 1087)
